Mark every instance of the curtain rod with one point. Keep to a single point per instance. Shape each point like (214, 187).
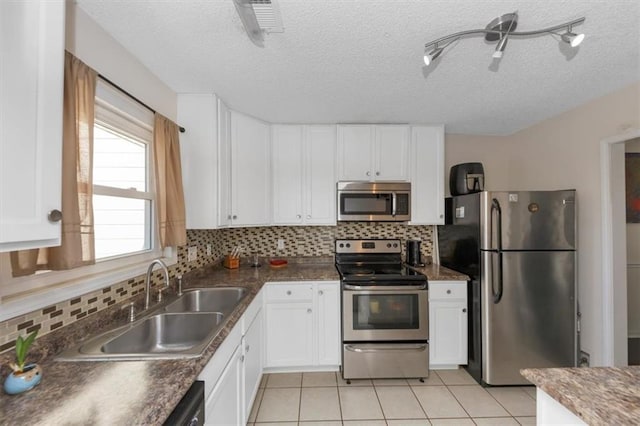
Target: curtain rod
(182, 130)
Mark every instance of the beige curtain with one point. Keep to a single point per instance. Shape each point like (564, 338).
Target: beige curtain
(169, 192)
(77, 247)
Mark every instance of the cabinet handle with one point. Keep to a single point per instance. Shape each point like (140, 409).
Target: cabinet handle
(441, 216)
(377, 173)
(54, 215)
(368, 173)
(309, 310)
(288, 292)
(320, 292)
(448, 291)
(464, 310)
(299, 216)
(235, 217)
(241, 358)
(247, 348)
(229, 217)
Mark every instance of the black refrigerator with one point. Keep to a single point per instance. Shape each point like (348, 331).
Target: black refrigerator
(519, 250)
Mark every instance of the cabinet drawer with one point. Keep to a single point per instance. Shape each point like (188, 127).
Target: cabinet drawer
(289, 292)
(447, 290)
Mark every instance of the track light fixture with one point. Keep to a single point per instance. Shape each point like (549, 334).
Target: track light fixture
(501, 30)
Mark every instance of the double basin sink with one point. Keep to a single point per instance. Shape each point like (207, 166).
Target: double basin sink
(183, 328)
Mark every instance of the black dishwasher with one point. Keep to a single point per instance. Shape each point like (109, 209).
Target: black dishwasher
(190, 409)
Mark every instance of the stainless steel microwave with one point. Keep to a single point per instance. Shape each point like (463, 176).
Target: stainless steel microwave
(374, 201)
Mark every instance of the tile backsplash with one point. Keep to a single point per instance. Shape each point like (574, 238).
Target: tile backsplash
(298, 241)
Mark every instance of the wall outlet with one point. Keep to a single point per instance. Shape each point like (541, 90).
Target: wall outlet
(208, 249)
(280, 244)
(584, 360)
(192, 254)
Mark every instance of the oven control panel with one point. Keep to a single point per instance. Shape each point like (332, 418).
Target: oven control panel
(368, 246)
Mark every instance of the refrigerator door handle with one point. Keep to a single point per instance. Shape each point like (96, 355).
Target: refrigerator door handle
(495, 206)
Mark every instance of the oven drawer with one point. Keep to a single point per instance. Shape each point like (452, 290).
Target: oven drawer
(385, 361)
(447, 290)
(289, 292)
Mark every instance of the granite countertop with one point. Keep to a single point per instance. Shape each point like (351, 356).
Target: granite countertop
(436, 272)
(142, 392)
(598, 395)
(131, 392)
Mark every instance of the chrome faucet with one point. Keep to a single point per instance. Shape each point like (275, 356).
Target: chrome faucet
(147, 281)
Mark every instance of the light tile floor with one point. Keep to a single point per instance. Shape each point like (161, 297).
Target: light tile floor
(447, 397)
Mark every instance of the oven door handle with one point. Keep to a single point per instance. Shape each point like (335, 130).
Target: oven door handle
(384, 287)
(392, 347)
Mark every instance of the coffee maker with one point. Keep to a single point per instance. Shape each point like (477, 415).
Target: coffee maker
(414, 257)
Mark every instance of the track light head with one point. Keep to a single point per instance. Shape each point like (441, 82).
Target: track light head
(429, 57)
(497, 54)
(572, 39)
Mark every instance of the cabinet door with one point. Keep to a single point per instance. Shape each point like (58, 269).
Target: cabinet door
(448, 332)
(252, 347)
(199, 150)
(287, 147)
(31, 87)
(355, 152)
(427, 175)
(223, 407)
(250, 171)
(289, 334)
(224, 165)
(392, 153)
(320, 175)
(328, 314)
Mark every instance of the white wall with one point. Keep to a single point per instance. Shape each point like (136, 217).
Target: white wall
(633, 265)
(91, 44)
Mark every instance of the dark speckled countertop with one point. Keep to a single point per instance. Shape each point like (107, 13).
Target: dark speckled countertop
(140, 392)
(599, 395)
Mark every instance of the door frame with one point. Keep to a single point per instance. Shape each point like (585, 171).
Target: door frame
(614, 280)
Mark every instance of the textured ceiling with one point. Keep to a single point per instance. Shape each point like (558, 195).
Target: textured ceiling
(347, 61)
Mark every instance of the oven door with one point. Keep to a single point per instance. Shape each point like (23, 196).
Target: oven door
(385, 313)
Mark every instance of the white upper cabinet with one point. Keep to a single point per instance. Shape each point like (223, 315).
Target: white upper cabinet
(303, 177)
(392, 153)
(199, 154)
(373, 152)
(427, 175)
(224, 212)
(250, 171)
(31, 92)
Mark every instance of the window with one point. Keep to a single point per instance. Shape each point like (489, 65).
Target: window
(122, 195)
(125, 231)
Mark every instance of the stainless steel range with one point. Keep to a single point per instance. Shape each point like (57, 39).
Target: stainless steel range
(385, 312)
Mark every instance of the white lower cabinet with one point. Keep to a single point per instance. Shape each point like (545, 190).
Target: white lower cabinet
(232, 376)
(224, 406)
(447, 324)
(252, 350)
(302, 323)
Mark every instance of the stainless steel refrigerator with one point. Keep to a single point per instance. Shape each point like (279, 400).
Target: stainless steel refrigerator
(519, 249)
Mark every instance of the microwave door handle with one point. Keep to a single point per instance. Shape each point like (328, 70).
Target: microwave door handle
(394, 203)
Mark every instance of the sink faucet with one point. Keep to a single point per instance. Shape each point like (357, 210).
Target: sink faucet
(147, 281)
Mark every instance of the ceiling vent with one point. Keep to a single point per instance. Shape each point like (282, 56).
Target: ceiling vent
(259, 17)
(268, 15)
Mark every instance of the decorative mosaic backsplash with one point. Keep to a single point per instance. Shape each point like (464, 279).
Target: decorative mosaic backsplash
(298, 241)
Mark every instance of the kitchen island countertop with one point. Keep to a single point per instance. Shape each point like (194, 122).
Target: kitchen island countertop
(597, 395)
